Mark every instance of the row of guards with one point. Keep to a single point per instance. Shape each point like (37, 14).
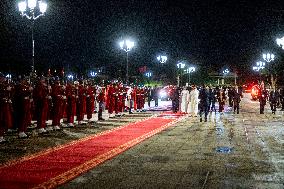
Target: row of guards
(23, 103)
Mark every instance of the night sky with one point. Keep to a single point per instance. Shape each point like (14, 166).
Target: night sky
(80, 34)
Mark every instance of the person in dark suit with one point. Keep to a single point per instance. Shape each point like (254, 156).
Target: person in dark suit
(175, 99)
(262, 96)
(204, 102)
(273, 98)
(237, 95)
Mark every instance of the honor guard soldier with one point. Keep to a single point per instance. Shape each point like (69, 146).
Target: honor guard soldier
(101, 101)
(121, 99)
(111, 99)
(81, 102)
(133, 97)
(130, 99)
(140, 96)
(90, 101)
(5, 107)
(23, 100)
(71, 103)
(57, 99)
(41, 97)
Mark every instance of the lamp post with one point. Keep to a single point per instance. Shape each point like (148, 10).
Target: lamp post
(32, 10)
(148, 74)
(268, 57)
(225, 73)
(259, 66)
(162, 59)
(93, 74)
(188, 71)
(280, 42)
(180, 66)
(126, 45)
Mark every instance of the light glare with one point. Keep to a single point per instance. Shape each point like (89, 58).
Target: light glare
(268, 57)
(126, 45)
(22, 6)
(162, 59)
(32, 4)
(181, 65)
(42, 6)
(280, 42)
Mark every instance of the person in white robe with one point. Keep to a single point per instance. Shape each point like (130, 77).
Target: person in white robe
(184, 100)
(193, 101)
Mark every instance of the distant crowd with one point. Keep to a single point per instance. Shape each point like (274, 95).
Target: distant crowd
(24, 102)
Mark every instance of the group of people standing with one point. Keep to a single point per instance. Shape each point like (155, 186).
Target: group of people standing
(23, 102)
(203, 100)
(273, 96)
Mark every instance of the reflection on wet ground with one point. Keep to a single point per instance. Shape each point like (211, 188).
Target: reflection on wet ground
(224, 149)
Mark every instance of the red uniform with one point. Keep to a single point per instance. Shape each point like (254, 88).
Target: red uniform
(81, 102)
(121, 99)
(57, 98)
(111, 99)
(71, 103)
(23, 106)
(133, 97)
(40, 96)
(5, 108)
(140, 99)
(90, 101)
(101, 100)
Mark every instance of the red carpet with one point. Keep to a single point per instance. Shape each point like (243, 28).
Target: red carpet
(56, 166)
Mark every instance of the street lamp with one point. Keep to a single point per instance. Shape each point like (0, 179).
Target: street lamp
(259, 65)
(188, 71)
(32, 10)
(126, 45)
(180, 66)
(280, 42)
(93, 74)
(268, 57)
(148, 74)
(162, 59)
(226, 71)
(70, 77)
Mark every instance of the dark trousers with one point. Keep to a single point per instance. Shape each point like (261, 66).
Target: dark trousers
(237, 107)
(282, 104)
(130, 105)
(203, 108)
(261, 105)
(101, 108)
(211, 105)
(230, 101)
(156, 101)
(175, 105)
(273, 107)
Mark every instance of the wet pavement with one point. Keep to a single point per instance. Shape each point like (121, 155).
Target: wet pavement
(229, 151)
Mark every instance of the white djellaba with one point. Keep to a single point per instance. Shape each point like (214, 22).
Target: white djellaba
(184, 101)
(193, 101)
